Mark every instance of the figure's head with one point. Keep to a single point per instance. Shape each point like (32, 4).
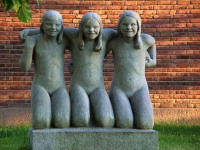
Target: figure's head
(90, 28)
(129, 25)
(52, 24)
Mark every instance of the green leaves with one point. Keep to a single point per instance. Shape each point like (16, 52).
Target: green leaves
(24, 13)
(21, 7)
(7, 4)
(17, 4)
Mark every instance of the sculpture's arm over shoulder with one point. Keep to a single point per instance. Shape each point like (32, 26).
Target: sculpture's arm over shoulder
(28, 32)
(67, 43)
(110, 46)
(71, 33)
(109, 34)
(26, 58)
(151, 50)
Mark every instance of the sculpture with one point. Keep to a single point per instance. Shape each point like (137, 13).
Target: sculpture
(49, 98)
(87, 92)
(129, 93)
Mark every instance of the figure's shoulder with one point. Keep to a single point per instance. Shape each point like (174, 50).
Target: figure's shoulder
(34, 38)
(71, 29)
(114, 42)
(70, 32)
(109, 33)
(147, 39)
(109, 30)
(37, 36)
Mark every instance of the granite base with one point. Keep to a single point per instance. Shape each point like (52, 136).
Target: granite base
(93, 139)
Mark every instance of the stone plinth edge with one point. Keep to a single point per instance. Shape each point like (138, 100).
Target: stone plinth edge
(93, 139)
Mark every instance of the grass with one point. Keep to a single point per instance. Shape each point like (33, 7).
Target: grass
(14, 138)
(178, 137)
(171, 137)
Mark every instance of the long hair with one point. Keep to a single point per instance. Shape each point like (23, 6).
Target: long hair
(50, 15)
(84, 19)
(136, 16)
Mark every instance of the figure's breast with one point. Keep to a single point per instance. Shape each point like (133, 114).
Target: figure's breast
(129, 61)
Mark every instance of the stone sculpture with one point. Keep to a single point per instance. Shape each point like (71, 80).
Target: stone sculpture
(50, 101)
(129, 93)
(87, 91)
(90, 103)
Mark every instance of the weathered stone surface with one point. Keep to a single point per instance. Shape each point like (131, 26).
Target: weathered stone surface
(132, 53)
(50, 102)
(93, 139)
(87, 91)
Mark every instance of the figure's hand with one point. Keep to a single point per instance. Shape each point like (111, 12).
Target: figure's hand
(148, 61)
(147, 58)
(23, 35)
(71, 68)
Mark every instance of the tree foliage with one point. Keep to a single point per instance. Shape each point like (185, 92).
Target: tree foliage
(21, 7)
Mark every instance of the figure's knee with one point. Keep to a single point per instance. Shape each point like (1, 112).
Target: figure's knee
(60, 94)
(40, 123)
(80, 115)
(80, 121)
(61, 123)
(41, 116)
(106, 121)
(144, 123)
(124, 122)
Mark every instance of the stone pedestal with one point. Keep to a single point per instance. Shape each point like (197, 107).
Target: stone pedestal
(93, 139)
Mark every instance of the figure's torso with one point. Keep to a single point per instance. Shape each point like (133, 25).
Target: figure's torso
(129, 66)
(87, 65)
(49, 64)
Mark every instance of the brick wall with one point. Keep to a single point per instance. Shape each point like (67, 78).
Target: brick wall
(173, 83)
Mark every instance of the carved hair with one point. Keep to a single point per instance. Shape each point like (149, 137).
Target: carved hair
(136, 16)
(50, 15)
(84, 19)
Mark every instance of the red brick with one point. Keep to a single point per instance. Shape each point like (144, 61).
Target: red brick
(174, 24)
(197, 106)
(161, 2)
(195, 101)
(190, 105)
(166, 105)
(195, 2)
(184, 2)
(180, 105)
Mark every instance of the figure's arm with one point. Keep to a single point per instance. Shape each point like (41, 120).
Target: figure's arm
(70, 33)
(28, 32)
(109, 34)
(26, 59)
(151, 54)
(108, 47)
(67, 44)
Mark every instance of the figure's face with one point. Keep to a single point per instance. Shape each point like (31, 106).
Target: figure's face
(128, 27)
(52, 27)
(91, 29)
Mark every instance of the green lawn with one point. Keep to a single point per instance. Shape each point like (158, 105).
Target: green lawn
(171, 137)
(178, 137)
(14, 138)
